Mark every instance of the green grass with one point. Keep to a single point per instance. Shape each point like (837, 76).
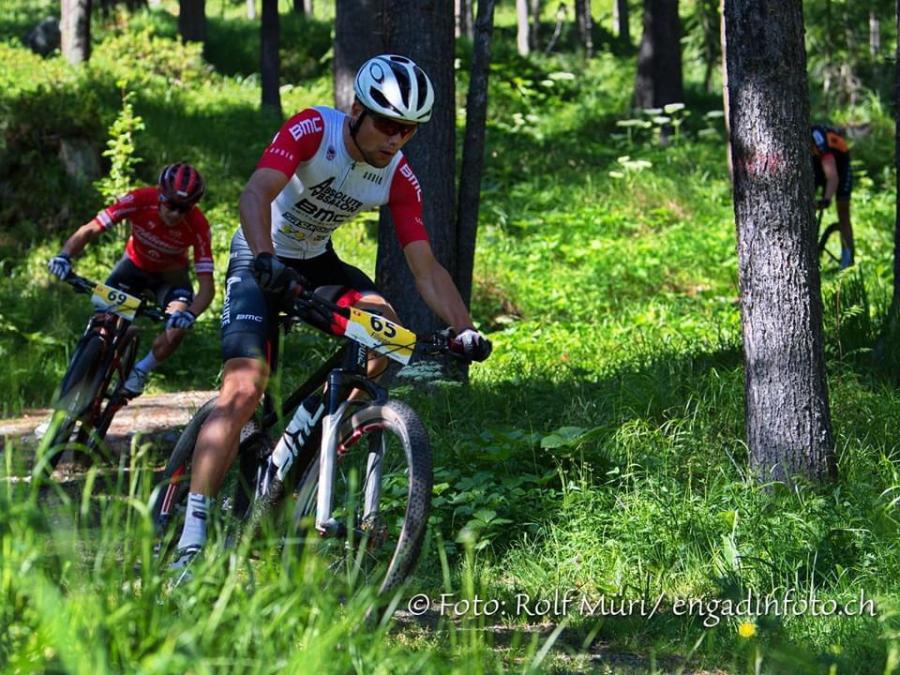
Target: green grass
(599, 450)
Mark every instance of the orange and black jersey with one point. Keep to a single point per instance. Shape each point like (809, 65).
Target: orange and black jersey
(827, 141)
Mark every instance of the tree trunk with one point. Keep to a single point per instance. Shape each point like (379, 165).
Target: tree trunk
(463, 11)
(192, 20)
(423, 31)
(534, 37)
(659, 78)
(620, 18)
(270, 61)
(585, 24)
(473, 150)
(726, 107)
(874, 33)
(523, 40)
(358, 35)
(787, 417)
(895, 304)
(708, 11)
(304, 8)
(251, 10)
(75, 30)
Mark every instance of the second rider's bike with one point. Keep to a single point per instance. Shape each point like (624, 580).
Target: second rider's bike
(91, 391)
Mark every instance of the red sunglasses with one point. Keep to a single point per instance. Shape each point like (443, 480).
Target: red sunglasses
(172, 206)
(391, 127)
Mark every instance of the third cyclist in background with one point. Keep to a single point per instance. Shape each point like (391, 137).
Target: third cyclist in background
(831, 164)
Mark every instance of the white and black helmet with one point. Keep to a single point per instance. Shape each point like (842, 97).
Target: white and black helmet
(395, 87)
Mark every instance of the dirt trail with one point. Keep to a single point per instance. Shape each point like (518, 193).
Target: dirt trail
(156, 417)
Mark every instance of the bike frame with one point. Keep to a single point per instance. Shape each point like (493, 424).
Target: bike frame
(343, 372)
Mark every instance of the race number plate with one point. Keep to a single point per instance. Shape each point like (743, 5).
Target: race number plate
(384, 336)
(113, 300)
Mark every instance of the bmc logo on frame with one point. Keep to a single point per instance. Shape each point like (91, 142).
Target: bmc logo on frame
(307, 126)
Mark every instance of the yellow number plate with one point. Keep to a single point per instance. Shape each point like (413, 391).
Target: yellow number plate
(384, 336)
(113, 300)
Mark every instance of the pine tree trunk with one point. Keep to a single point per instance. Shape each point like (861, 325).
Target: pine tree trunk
(659, 78)
(473, 150)
(787, 417)
(620, 18)
(423, 31)
(75, 30)
(270, 61)
(304, 8)
(534, 38)
(463, 11)
(895, 304)
(251, 10)
(192, 20)
(523, 30)
(585, 24)
(358, 35)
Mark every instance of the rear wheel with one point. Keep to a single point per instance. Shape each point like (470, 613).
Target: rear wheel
(381, 499)
(75, 401)
(829, 244)
(168, 502)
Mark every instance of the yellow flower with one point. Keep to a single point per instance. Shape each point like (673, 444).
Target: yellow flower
(746, 629)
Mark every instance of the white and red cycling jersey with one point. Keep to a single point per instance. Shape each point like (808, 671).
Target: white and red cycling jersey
(327, 187)
(153, 246)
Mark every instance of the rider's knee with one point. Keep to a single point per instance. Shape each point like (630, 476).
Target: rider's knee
(241, 392)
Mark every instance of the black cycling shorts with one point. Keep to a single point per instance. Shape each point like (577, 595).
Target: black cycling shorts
(250, 317)
(169, 286)
(845, 176)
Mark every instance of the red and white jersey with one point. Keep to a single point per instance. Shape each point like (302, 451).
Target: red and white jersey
(153, 246)
(327, 187)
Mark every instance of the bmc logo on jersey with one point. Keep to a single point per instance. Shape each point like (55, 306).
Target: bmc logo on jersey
(407, 173)
(303, 127)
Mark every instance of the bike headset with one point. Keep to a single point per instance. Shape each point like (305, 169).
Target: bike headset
(392, 86)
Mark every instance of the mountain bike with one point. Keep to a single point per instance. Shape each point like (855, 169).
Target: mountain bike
(362, 500)
(826, 243)
(91, 391)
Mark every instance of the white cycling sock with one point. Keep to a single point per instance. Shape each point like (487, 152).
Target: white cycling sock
(147, 363)
(194, 532)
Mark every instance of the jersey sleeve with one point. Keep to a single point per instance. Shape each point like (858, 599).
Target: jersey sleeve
(405, 203)
(820, 142)
(203, 260)
(119, 210)
(297, 141)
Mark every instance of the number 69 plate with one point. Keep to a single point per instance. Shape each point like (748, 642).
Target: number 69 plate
(385, 337)
(108, 299)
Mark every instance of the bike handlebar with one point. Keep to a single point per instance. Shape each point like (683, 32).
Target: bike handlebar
(148, 308)
(439, 342)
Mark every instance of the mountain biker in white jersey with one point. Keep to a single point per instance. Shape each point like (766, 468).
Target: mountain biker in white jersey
(321, 169)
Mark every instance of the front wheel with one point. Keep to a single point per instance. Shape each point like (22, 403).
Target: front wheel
(382, 496)
(75, 399)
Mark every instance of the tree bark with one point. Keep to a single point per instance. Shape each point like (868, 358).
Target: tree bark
(874, 33)
(423, 31)
(787, 417)
(75, 30)
(659, 78)
(895, 303)
(523, 30)
(534, 37)
(585, 24)
(192, 20)
(620, 17)
(304, 8)
(358, 35)
(473, 150)
(463, 11)
(270, 60)
(251, 10)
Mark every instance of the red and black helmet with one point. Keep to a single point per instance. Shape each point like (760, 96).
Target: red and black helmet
(181, 185)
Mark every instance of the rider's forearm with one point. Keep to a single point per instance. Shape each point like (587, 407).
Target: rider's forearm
(256, 221)
(441, 295)
(82, 237)
(206, 291)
